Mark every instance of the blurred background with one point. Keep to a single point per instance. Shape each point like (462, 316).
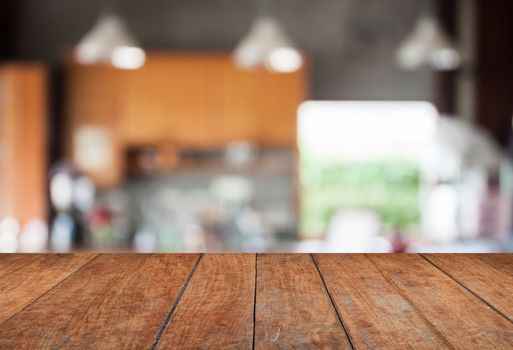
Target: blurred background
(256, 125)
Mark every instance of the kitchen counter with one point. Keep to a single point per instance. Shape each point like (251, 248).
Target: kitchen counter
(244, 301)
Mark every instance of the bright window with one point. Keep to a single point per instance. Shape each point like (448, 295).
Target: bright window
(362, 155)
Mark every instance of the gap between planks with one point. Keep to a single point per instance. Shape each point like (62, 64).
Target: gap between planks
(172, 310)
(465, 287)
(325, 286)
(255, 301)
(53, 287)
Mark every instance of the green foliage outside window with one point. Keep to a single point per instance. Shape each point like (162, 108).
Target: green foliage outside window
(388, 186)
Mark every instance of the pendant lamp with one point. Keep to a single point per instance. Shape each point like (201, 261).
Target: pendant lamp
(109, 41)
(428, 45)
(268, 45)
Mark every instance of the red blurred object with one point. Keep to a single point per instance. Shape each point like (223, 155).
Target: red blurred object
(399, 244)
(99, 216)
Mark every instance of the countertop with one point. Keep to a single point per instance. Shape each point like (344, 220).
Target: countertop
(244, 301)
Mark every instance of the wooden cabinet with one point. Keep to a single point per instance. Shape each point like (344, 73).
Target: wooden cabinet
(164, 100)
(257, 106)
(190, 100)
(23, 141)
(277, 106)
(239, 117)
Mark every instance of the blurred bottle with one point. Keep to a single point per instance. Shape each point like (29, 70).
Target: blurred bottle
(495, 211)
(194, 238)
(9, 230)
(146, 241)
(34, 237)
(63, 233)
(398, 242)
(72, 195)
(100, 224)
(440, 212)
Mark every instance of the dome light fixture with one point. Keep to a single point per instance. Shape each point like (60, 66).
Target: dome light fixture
(428, 45)
(268, 45)
(109, 41)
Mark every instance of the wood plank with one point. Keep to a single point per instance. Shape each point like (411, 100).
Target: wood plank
(25, 277)
(293, 309)
(460, 316)
(116, 301)
(216, 311)
(490, 276)
(375, 313)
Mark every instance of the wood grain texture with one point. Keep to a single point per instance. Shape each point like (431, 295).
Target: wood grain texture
(375, 313)
(241, 301)
(25, 277)
(462, 318)
(490, 276)
(216, 311)
(116, 301)
(293, 309)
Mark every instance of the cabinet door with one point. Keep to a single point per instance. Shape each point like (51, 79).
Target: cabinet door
(165, 100)
(93, 136)
(239, 119)
(259, 106)
(184, 99)
(91, 89)
(279, 96)
(140, 105)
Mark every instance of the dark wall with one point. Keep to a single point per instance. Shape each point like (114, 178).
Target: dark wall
(351, 42)
(8, 24)
(494, 73)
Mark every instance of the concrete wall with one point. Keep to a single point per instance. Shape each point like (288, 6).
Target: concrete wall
(351, 42)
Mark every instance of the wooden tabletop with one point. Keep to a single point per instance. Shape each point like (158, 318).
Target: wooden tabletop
(264, 301)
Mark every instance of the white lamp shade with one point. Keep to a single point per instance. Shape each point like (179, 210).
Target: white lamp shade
(109, 41)
(268, 44)
(428, 45)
